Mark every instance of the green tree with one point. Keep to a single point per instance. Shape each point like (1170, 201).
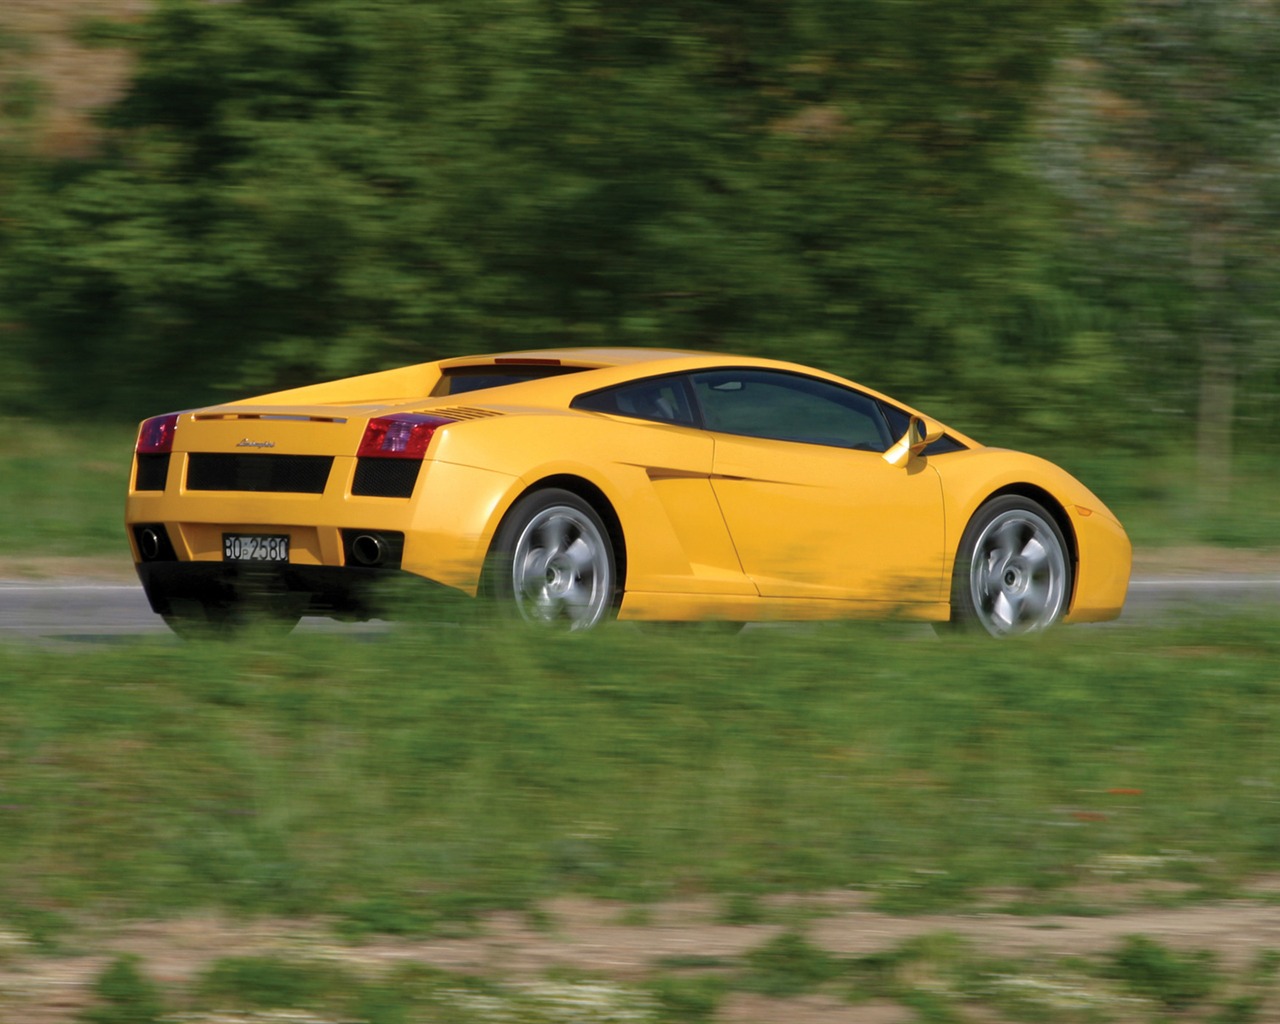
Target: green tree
(1163, 139)
(296, 189)
(19, 102)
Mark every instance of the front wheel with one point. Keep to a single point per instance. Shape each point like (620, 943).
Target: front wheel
(1013, 572)
(553, 562)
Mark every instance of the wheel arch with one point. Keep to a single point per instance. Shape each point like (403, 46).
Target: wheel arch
(1055, 508)
(593, 496)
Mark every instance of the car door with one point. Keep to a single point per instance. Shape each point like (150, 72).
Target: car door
(813, 509)
(678, 539)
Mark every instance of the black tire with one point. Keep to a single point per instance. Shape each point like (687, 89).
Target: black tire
(553, 564)
(1013, 569)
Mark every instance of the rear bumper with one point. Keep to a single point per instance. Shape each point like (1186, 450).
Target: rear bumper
(341, 591)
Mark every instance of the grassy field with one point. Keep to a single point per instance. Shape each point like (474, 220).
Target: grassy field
(64, 489)
(1156, 497)
(406, 784)
(437, 771)
(933, 979)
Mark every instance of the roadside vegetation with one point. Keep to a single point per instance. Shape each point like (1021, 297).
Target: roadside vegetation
(64, 488)
(938, 978)
(409, 783)
(1052, 226)
(1047, 223)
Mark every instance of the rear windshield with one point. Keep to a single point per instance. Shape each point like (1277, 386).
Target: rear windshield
(458, 380)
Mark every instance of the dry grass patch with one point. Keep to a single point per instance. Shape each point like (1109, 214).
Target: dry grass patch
(71, 80)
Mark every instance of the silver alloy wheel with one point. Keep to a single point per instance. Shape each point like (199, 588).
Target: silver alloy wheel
(1018, 574)
(561, 569)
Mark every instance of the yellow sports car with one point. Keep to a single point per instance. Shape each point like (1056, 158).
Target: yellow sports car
(578, 485)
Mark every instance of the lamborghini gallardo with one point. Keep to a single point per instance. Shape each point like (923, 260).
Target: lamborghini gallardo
(571, 487)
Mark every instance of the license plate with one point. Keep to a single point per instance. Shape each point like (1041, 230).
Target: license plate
(255, 547)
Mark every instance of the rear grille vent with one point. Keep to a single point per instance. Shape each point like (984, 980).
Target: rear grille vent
(462, 412)
(385, 478)
(153, 469)
(270, 416)
(295, 474)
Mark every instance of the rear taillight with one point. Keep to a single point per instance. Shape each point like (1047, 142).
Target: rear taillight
(405, 436)
(155, 436)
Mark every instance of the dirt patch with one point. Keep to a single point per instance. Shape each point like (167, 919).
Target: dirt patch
(603, 939)
(73, 80)
(1197, 561)
(105, 569)
(746, 1008)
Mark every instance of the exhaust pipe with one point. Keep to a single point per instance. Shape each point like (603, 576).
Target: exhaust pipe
(369, 550)
(148, 544)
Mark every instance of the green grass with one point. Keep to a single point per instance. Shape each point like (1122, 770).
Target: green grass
(252, 988)
(942, 977)
(64, 488)
(406, 783)
(1156, 497)
(125, 995)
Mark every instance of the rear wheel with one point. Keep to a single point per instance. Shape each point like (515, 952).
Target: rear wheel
(1013, 571)
(554, 563)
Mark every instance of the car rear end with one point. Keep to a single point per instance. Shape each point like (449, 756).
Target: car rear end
(308, 504)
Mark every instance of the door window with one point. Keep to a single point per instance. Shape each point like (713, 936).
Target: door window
(789, 407)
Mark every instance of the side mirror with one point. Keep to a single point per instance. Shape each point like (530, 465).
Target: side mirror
(921, 433)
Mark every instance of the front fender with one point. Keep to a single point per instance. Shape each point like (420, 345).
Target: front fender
(1103, 552)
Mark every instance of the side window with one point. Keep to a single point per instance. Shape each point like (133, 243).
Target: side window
(789, 407)
(662, 399)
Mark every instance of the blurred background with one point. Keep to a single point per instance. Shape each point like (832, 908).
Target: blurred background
(1052, 225)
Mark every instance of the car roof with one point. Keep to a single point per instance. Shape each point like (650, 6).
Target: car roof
(611, 366)
(638, 363)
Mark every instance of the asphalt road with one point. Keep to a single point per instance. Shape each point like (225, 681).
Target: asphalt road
(84, 610)
(74, 608)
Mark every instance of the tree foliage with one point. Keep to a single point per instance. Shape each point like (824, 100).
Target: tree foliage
(295, 189)
(1039, 220)
(1164, 144)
